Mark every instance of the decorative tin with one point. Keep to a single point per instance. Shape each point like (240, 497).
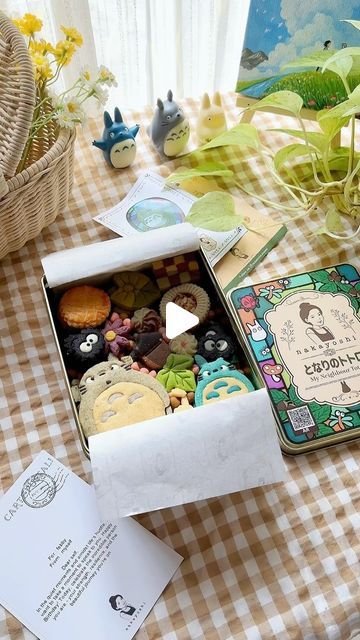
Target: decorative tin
(303, 339)
(220, 311)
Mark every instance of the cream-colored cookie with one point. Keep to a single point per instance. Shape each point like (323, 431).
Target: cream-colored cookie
(184, 344)
(188, 296)
(113, 396)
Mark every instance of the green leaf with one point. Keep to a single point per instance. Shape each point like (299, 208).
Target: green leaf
(204, 169)
(171, 379)
(329, 287)
(289, 152)
(339, 55)
(355, 23)
(283, 100)
(318, 140)
(214, 211)
(320, 276)
(341, 67)
(346, 108)
(320, 231)
(315, 59)
(278, 396)
(293, 396)
(330, 126)
(178, 362)
(333, 221)
(243, 135)
(320, 412)
(324, 430)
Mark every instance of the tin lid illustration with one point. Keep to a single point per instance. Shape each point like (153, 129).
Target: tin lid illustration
(303, 336)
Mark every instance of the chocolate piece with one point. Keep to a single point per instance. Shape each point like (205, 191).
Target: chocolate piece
(151, 349)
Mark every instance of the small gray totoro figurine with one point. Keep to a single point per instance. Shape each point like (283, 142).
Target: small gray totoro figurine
(169, 129)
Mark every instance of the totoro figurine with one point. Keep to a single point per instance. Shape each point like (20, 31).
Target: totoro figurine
(211, 119)
(169, 129)
(118, 142)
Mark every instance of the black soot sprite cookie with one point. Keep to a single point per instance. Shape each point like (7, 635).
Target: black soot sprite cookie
(84, 349)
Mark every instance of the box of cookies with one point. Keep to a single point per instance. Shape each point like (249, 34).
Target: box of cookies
(143, 330)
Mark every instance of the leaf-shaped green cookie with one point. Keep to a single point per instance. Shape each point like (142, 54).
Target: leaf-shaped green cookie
(179, 362)
(176, 373)
(177, 380)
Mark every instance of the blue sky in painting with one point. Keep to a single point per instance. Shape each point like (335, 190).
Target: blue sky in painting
(288, 29)
(265, 19)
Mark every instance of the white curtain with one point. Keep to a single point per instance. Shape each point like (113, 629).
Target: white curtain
(190, 46)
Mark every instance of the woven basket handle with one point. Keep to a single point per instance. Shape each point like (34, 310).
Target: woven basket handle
(17, 97)
(3, 185)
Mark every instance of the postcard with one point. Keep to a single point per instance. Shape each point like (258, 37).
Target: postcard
(150, 204)
(62, 569)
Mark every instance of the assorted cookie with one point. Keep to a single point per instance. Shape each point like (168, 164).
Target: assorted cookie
(84, 349)
(82, 307)
(133, 290)
(113, 396)
(190, 297)
(215, 343)
(121, 364)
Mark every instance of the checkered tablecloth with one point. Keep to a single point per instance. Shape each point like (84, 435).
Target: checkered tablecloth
(276, 562)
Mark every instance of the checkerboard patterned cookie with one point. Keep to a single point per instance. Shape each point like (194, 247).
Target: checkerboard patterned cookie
(178, 270)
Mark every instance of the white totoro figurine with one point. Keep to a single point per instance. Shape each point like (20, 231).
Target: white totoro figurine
(169, 129)
(211, 119)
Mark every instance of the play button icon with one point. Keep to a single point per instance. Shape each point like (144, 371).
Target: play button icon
(178, 320)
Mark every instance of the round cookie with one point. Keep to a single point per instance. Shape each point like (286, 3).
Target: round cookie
(113, 396)
(188, 296)
(83, 307)
(133, 290)
(185, 343)
(84, 349)
(146, 320)
(215, 343)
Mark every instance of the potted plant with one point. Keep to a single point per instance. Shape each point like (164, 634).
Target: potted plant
(310, 171)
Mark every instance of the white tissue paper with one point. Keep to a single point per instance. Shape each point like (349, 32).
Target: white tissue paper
(120, 254)
(204, 452)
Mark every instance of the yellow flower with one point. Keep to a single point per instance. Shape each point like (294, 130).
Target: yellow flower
(72, 35)
(28, 24)
(41, 67)
(64, 52)
(40, 47)
(106, 77)
(85, 74)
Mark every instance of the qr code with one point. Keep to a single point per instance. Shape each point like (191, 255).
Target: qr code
(301, 419)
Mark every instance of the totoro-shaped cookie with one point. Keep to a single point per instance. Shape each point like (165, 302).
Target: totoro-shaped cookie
(113, 396)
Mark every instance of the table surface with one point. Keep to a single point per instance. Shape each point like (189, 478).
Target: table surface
(273, 562)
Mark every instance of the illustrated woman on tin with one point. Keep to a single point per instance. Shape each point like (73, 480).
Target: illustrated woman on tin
(313, 316)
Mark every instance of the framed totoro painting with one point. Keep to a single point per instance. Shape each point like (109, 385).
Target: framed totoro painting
(279, 32)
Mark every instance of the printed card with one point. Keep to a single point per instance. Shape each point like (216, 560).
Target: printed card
(63, 569)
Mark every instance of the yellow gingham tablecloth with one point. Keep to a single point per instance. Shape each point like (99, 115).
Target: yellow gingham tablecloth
(276, 562)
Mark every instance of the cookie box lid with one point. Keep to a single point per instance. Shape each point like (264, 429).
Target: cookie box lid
(101, 258)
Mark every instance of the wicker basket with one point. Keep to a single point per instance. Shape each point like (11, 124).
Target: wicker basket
(29, 200)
